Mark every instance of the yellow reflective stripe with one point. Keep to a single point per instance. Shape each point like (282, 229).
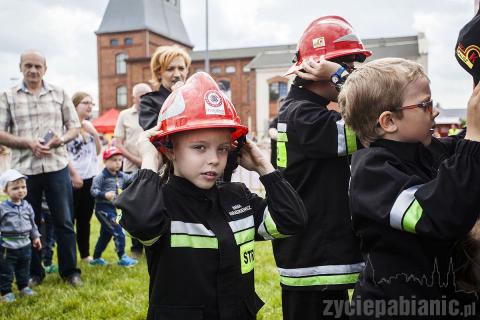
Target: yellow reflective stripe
(271, 227)
(411, 217)
(351, 139)
(320, 280)
(244, 236)
(197, 242)
(282, 137)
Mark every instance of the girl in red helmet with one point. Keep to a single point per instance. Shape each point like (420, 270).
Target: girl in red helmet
(199, 232)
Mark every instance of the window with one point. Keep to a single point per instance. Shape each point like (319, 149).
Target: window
(230, 69)
(277, 90)
(224, 85)
(246, 68)
(217, 70)
(122, 96)
(128, 41)
(114, 42)
(121, 65)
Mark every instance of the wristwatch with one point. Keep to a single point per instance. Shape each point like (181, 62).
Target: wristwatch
(62, 141)
(339, 77)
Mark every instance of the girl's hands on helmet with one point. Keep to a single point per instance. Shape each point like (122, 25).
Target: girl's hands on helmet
(317, 70)
(252, 159)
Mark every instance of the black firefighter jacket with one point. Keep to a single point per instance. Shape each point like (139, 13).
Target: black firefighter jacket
(201, 242)
(150, 105)
(410, 206)
(313, 145)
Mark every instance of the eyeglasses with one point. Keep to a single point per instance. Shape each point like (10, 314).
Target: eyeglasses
(425, 106)
(88, 103)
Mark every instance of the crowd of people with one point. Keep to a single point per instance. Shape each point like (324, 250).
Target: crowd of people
(363, 205)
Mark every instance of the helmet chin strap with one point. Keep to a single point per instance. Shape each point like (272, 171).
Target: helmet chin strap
(232, 162)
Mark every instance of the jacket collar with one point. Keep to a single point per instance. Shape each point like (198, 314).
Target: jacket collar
(185, 187)
(407, 151)
(297, 93)
(107, 173)
(164, 91)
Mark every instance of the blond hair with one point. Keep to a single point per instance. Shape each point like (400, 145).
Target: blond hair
(375, 87)
(78, 97)
(162, 58)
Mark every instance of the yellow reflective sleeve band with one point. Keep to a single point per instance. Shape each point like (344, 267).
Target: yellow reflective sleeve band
(281, 154)
(244, 236)
(197, 242)
(320, 280)
(411, 217)
(271, 227)
(247, 256)
(351, 140)
(282, 137)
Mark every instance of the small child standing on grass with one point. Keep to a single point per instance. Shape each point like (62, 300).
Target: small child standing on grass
(106, 186)
(18, 232)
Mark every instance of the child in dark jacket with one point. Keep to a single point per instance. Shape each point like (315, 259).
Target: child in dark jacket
(106, 186)
(199, 233)
(413, 197)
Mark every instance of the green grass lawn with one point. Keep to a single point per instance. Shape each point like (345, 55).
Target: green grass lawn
(114, 292)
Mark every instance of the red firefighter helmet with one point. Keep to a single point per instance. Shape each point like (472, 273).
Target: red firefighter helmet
(110, 152)
(199, 104)
(331, 37)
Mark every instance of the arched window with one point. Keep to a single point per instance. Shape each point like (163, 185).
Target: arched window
(122, 96)
(120, 64)
(224, 85)
(277, 90)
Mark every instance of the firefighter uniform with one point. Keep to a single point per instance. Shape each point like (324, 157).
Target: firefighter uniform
(150, 105)
(312, 149)
(201, 242)
(410, 206)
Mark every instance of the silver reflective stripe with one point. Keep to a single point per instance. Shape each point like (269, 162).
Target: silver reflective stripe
(348, 37)
(401, 205)
(282, 127)
(321, 270)
(190, 228)
(342, 144)
(262, 230)
(242, 224)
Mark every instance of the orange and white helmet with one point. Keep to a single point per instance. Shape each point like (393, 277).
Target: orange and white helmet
(199, 104)
(331, 37)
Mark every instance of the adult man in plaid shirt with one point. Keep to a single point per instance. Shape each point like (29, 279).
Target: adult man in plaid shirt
(28, 112)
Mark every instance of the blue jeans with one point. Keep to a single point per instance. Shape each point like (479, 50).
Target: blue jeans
(58, 193)
(14, 261)
(109, 228)
(48, 239)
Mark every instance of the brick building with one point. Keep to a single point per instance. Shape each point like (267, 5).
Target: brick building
(131, 30)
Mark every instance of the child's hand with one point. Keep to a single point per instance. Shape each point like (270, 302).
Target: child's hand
(252, 159)
(37, 244)
(473, 116)
(317, 71)
(150, 156)
(110, 195)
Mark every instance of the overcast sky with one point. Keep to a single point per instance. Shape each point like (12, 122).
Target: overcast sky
(64, 31)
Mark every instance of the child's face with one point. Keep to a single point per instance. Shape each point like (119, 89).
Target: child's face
(200, 156)
(16, 190)
(114, 163)
(417, 123)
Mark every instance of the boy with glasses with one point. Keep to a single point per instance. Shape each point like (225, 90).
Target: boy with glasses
(412, 196)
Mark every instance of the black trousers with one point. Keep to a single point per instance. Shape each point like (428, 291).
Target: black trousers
(83, 204)
(313, 305)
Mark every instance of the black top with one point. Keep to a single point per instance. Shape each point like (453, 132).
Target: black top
(410, 206)
(317, 166)
(150, 105)
(200, 242)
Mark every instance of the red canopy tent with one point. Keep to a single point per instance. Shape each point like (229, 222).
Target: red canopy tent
(107, 121)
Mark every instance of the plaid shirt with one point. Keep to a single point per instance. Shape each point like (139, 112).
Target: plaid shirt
(23, 114)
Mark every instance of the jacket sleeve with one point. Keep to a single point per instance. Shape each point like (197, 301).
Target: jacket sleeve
(34, 233)
(144, 215)
(149, 110)
(282, 213)
(444, 208)
(322, 133)
(96, 189)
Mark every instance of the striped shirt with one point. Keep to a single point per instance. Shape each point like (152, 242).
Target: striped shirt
(23, 114)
